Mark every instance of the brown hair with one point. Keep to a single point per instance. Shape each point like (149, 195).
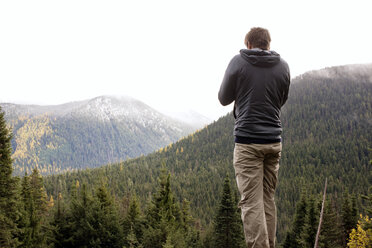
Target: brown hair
(258, 38)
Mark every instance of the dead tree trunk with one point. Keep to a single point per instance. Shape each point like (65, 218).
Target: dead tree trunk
(321, 216)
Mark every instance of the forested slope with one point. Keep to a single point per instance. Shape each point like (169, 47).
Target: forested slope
(327, 133)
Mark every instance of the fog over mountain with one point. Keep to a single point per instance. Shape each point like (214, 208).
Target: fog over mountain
(190, 117)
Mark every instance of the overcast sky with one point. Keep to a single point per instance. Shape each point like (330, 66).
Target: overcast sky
(170, 54)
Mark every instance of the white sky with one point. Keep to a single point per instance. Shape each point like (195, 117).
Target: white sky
(170, 54)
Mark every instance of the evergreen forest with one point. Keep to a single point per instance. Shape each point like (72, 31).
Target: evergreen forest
(184, 195)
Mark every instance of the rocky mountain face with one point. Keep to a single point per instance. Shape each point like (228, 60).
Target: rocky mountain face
(87, 133)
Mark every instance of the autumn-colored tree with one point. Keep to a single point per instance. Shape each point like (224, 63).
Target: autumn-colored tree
(360, 237)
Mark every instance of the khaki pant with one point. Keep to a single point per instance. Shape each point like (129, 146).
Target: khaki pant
(256, 170)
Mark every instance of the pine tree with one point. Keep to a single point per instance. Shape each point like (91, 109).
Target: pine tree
(354, 210)
(330, 231)
(227, 229)
(300, 218)
(192, 237)
(166, 221)
(94, 220)
(289, 241)
(207, 238)
(110, 233)
(9, 214)
(311, 224)
(186, 218)
(35, 210)
(133, 223)
(349, 220)
(163, 214)
(368, 198)
(168, 243)
(132, 241)
(25, 221)
(293, 236)
(82, 228)
(61, 224)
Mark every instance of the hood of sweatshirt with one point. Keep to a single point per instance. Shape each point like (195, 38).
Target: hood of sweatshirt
(261, 58)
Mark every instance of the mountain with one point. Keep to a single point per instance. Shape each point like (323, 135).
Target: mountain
(86, 134)
(327, 134)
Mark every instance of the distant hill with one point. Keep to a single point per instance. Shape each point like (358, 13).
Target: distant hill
(327, 125)
(88, 133)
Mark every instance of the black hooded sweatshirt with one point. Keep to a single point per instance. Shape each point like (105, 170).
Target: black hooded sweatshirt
(258, 81)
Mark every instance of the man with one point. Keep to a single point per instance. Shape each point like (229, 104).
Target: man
(257, 80)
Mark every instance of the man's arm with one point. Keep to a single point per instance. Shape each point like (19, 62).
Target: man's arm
(226, 95)
(286, 89)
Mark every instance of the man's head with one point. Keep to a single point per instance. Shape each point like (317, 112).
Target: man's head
(258, 38)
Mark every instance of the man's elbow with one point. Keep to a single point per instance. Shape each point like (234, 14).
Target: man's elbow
(224, 103)
(223, 100)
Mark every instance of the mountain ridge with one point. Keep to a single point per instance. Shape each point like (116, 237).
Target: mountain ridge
(340, 71)
(87, 133)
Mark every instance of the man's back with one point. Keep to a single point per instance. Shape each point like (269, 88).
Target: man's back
(258, 81)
